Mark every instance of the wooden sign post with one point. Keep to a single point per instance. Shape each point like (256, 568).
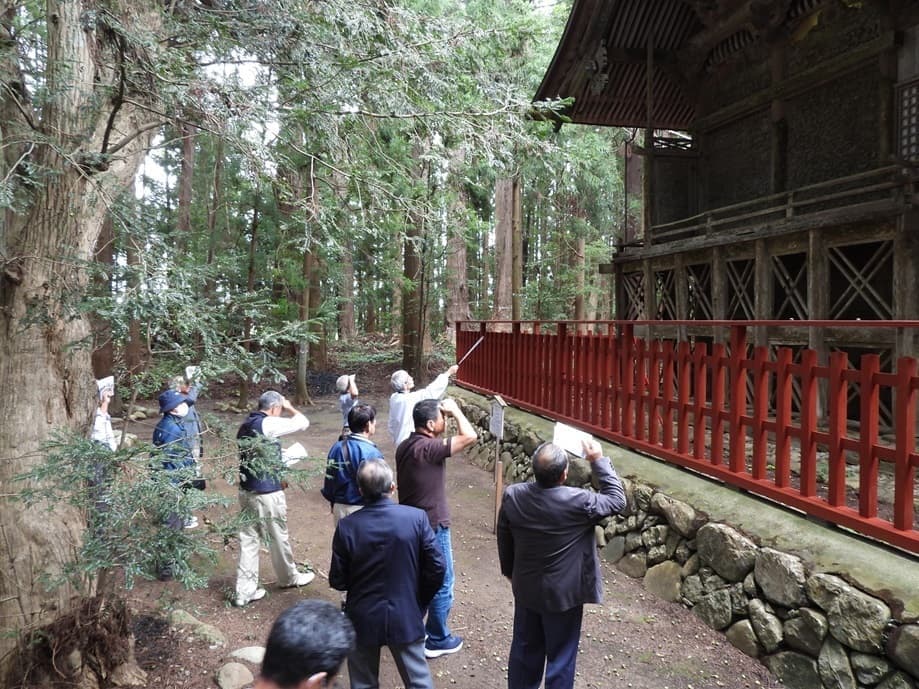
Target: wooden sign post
(496, 428)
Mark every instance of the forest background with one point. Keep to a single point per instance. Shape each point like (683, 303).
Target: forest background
(240, 184)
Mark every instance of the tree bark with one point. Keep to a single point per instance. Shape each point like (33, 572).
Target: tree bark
(103, 354)
(504, 251)
(46, 239)
(346, 325)
(250, 287)
(412, 308)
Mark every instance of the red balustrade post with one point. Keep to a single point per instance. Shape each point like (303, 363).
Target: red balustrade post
(738, 399)
(627, 373)
(905, 429)
(868, 461)
(700, 394)
(668, 394)
(557, 404)
(614, 397)
(518, 372)
(808, 423)
(838, 401)
(760, 411)
(783, 402)
(654, 392)
(482, 368)
(581, 391)
(684, 364)
(596, 378)
(641, 381)
(718, 385)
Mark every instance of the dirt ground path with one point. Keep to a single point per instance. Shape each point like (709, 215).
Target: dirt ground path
(632, 640)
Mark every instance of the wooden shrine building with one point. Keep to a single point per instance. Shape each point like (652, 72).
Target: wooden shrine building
(780, 157)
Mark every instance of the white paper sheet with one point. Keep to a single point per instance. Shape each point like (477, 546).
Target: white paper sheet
(569, 438)
(293, 454)
(191, 372)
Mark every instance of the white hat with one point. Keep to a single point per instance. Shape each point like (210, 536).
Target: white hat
(103, 384)
(343, 382)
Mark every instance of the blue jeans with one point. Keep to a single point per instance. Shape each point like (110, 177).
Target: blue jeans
(439, 608)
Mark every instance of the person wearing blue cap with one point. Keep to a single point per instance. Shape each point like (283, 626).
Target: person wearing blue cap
(175, 455)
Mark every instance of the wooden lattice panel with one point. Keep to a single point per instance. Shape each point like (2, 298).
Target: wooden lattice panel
(634, 290)
(741, 289)
(665, 283)
(908, 120)
(789, 274)
(861, 281)
(699, 277)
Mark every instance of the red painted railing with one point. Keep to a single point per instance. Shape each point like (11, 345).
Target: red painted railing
(786, 427)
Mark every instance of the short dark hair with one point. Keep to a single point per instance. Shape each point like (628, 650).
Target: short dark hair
(549, 463)
(309, 637)
(360, 416)
(374, 478)
(424, 411)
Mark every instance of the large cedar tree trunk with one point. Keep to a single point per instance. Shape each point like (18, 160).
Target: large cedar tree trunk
(44, 243)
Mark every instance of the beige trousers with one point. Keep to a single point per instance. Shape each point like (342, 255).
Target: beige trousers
(266, 516)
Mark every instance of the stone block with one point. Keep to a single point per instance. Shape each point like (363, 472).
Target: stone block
(679, 515)
(858, 620)
(806, 632)
(833, 666)
(868, 668)
(781, 577)
(731, 554)
(664, 581)
(795, 670)
(904, 648)
(715, 609)
(742, 636)
(634, 564)
(767, 626)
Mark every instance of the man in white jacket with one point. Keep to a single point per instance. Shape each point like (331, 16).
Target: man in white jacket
(404, 399)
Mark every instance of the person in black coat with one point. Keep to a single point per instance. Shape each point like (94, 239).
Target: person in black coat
(386, 558)
(547, 548)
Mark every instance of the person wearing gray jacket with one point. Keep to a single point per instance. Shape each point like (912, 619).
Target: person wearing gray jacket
(547, 548)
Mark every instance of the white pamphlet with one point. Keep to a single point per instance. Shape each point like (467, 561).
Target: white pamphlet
(191, 372)
(293, 454)
(569, 438)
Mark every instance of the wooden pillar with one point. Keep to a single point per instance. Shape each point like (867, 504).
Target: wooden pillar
(818, 305)
(649, 143)
(762, 305)
(620, 307)
(906, 282)
(779, 134)
(682, 294)
(887, 79)
(650, 290)
(719, 292)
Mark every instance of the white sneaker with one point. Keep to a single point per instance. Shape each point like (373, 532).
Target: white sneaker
(242, 601)
(302, 579)
(191, 522)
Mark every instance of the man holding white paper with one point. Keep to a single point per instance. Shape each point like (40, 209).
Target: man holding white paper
(261, 496)
(546, 548)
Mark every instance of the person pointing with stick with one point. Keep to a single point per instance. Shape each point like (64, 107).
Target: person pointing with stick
(405, 397)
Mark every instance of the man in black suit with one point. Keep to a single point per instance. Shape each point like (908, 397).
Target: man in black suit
(547, 549)
(387, 559)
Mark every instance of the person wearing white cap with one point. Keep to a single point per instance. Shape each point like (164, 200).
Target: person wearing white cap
(347, 399)
(405, 397)
(102, 424)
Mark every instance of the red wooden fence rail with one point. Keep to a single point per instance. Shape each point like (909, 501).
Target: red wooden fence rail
(680, 401)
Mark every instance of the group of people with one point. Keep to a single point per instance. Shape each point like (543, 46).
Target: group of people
(393, 561)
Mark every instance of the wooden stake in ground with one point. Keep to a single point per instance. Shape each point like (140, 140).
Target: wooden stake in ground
(496, 428)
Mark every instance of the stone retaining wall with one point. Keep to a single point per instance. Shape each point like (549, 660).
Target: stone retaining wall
(811, 629)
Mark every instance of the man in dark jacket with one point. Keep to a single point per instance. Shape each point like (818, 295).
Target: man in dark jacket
(547, 548)
(386, 557)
